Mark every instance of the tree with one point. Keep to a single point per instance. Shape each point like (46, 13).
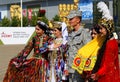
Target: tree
(5, 22)
(56, 18)
(34, 19)
(44, 19)
(25, 21)
(15, 21)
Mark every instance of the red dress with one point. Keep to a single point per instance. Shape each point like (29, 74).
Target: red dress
(109, 69)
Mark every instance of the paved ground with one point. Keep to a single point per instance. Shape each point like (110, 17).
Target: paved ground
(6, 53)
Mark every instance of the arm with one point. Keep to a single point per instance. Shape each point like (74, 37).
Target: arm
(56, 45)
(24, 53)
(86, 36)
(21, 56)
(27, 49)
(45, 47)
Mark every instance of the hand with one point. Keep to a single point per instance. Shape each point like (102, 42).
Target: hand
(95, 76)
(66, 72)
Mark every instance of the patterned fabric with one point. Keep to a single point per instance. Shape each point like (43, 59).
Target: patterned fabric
(34, 69)
(86, 56)
(58, 65)
(75, 41)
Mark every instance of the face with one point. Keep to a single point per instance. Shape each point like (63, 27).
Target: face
(74, 21)
(103, 31)
(39, 31)
(57, 33)
(93, 34)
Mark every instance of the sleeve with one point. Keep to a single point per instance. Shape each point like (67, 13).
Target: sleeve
(27, 49)
(46, 45)
(21, 56)
(44, 48)
(108, 59)
(64, 48)
(86, 36)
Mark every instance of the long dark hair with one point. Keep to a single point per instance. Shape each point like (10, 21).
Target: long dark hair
(96, 28)
(99, 57)
(101, 53)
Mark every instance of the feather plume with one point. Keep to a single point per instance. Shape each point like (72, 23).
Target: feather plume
(105, 11)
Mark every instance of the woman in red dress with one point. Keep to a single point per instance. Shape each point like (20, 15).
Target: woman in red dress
(107, 67)
(107, 64)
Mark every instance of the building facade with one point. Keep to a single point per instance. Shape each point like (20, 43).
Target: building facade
(51, 6)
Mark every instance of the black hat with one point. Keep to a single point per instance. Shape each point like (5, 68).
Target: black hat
(43, 26)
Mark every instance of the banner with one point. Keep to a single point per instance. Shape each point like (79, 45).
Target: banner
(15, 35)
(30, 14)
(24, 12)
(86, 6)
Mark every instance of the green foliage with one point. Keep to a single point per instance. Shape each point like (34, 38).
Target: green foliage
(44, 19)
(0, 23)
(1, 43)
(25, 21)
(15, 22)
(5, 22)
(33, 20)
(56, 18)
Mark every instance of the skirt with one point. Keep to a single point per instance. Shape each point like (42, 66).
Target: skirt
(31, 70)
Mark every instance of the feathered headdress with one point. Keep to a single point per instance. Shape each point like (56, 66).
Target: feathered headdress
(107, 19)
(105, 11)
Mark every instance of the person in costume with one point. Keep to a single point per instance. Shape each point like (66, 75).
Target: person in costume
(107, 65)
(78, 37)
(98, 60)
(85, 58)
(58, 50)
(33, 69)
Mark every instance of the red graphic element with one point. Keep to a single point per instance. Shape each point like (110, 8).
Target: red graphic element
(24, 12)
(88, 62)
(77, 61)
(30, 13)
(6, 35)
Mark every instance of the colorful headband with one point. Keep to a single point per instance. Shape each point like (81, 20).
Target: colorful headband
(108, 24)
(44, 27)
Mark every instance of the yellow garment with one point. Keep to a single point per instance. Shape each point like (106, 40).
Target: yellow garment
(86, 56)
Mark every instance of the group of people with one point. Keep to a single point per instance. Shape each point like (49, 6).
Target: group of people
(62, 56)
